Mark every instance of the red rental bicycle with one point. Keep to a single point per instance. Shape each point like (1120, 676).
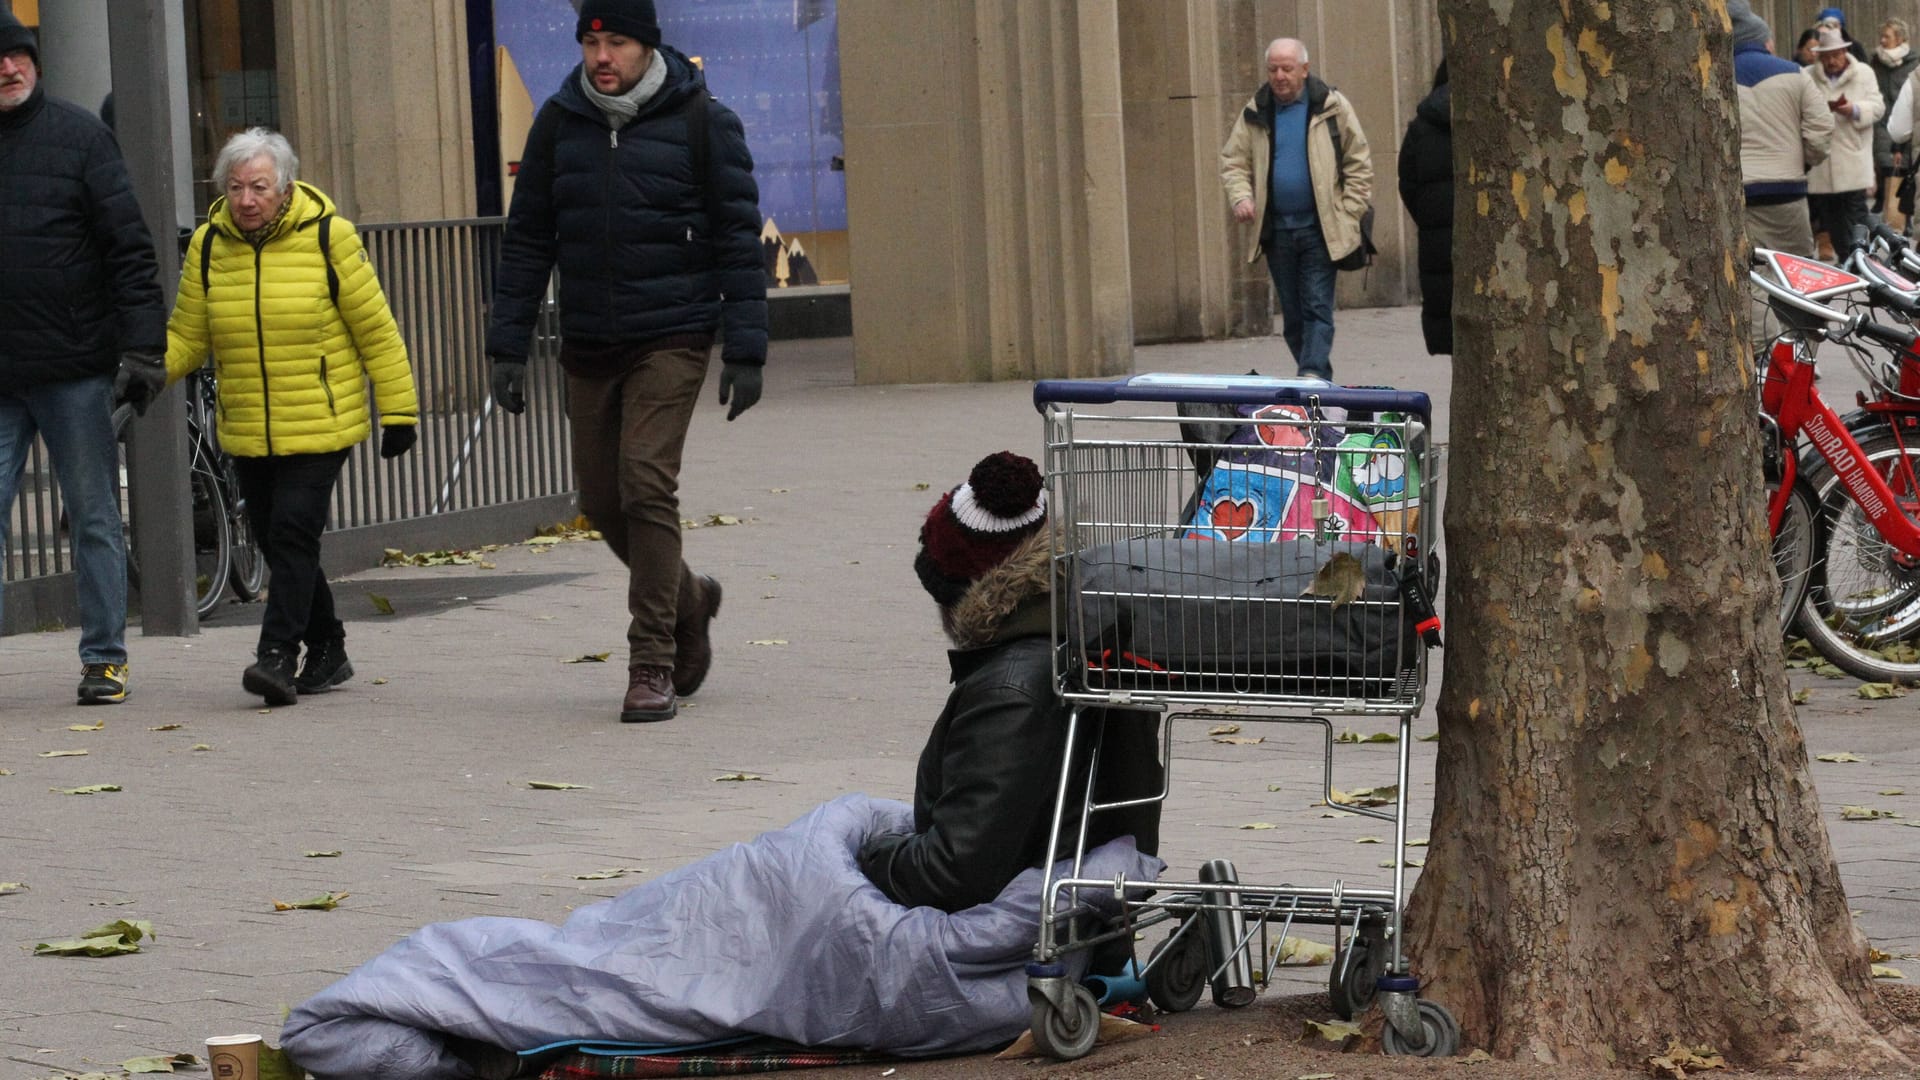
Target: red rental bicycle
(1856, 478)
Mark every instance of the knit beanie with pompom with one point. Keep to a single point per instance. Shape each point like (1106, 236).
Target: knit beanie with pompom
(974, 527)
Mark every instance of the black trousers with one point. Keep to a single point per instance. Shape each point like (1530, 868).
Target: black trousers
(287, 496)
(1844, 217)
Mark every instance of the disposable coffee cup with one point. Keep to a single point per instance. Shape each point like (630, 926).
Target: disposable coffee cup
(234, 1057)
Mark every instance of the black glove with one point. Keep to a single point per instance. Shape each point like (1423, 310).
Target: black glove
(397, 439)
(510, 385)
(141, 378)
(740, 381)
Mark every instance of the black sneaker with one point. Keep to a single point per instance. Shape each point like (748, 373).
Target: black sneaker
(103, 684)
(327, 666)
(271, 676)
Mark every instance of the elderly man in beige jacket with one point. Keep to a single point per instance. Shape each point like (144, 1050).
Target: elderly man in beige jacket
(1299, 176)
(1837, 187)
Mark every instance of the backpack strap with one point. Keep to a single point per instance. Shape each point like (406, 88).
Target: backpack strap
(207, 232)
(325, 225)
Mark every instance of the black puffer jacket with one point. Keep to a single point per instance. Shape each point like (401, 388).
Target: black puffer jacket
(983, 796)
(622, 216)
(78, 280)
(1426, 187)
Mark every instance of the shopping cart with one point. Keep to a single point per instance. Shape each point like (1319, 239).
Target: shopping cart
(1253, 543)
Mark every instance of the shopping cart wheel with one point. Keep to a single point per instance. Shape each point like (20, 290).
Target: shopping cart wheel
(1174, 981)
(1442, 1034)
(1355, 976)
(1066, 1033)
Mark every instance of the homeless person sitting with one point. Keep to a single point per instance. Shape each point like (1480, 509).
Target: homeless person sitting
(983, 797)
(789, 936)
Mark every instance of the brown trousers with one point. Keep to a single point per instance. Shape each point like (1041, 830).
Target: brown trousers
(628, 431)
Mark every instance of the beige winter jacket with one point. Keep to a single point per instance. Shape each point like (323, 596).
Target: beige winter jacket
(1341, 189)
(1849, 165)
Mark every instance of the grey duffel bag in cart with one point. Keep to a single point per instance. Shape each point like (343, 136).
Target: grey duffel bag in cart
(1186, 614)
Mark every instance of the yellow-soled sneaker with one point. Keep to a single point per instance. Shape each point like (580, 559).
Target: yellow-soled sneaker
(103, 684)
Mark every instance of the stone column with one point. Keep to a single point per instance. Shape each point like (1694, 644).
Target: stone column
(74, 57)
(986, 189)
(374, 97)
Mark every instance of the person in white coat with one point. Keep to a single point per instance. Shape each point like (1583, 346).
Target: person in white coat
(1837, 187)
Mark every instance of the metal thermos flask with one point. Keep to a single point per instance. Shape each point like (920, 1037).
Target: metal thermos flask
(1226, 925)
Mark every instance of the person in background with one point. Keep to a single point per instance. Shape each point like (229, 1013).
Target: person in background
(655, 255)
(1803, 49)
(1837, 187)
(1893, 63)
(1426, 189)
(280, 288)
(1834, 18)
(1785, 129)
(1298, 174)
(82, 321)
(984, 792)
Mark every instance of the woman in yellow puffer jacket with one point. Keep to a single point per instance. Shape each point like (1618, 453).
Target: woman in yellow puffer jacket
(295, 343)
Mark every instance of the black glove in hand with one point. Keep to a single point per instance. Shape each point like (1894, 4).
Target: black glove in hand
(141, 378)
(397, 440)
(510, 385)
(739, 381)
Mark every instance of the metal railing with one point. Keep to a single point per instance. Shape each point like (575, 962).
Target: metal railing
(438, 277)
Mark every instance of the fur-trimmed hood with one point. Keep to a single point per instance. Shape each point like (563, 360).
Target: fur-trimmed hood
(1011, 600)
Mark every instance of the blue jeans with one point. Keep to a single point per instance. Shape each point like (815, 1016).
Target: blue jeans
(75, 418)
(1303, 275)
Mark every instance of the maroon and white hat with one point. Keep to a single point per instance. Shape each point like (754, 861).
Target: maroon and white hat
(974, 527)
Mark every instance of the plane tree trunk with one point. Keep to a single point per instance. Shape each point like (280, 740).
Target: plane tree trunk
(1627, 847)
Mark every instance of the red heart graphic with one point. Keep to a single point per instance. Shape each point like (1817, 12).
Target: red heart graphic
(1233, 517)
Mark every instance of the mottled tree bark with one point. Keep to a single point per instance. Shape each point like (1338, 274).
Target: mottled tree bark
(1626, 846)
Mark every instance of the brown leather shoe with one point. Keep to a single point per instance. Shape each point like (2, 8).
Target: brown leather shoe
(692, 645)
(649, 696)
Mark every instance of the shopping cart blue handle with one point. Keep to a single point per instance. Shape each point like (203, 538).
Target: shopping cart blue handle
(1227, 390)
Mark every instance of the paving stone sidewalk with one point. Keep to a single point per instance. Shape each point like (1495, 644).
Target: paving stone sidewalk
(830, 668)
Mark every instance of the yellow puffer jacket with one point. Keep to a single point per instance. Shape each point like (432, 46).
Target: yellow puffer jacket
(293, 366)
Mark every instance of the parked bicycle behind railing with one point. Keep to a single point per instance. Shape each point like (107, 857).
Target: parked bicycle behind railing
(1856, 478)
(278, 286)
(225, 553)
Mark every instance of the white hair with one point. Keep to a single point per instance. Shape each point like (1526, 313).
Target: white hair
(1295, 42)
(257, 143)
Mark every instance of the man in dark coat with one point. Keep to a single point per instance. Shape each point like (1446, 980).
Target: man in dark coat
(637, 186)
(1426, 187)
(984, 794)
(82, 321)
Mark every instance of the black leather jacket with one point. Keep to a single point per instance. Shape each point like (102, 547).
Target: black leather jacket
(984, 795)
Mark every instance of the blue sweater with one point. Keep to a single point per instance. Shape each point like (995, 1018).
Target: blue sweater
(1290, 191)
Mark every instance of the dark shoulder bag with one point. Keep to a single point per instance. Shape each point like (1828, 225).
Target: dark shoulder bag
(1360, 257)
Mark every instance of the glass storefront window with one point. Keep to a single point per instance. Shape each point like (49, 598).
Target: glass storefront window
(774, 62)
(230, 51)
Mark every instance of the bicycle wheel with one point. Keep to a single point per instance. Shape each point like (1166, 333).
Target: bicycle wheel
(1793, 551)
(1862, 609)
(248, 574)
(212, 542)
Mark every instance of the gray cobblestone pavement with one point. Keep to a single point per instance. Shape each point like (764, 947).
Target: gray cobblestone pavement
(830, 668)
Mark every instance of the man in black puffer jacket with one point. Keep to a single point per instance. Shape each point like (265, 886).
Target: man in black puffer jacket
(638, 187)
(82, 320)
(1426, 188)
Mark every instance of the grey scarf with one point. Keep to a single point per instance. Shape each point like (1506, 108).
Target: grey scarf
(621, 108)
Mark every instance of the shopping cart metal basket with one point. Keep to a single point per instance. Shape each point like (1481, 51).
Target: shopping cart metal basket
(1255, 543)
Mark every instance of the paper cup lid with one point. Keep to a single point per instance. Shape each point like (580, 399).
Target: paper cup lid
(234, 1040)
